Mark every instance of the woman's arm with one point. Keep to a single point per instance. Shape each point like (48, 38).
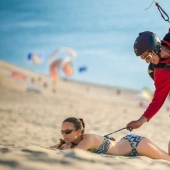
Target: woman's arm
(85, 144)
(57, 146)
(61, 147)
(66, 146)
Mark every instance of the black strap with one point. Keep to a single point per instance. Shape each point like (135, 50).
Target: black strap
(128, 128)
(162, 12)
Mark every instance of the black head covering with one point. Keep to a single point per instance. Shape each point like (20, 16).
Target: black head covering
(147, 41)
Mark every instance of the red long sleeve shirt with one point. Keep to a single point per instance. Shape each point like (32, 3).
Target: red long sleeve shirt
(162, 88)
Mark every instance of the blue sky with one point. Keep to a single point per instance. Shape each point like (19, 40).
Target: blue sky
(102, 32)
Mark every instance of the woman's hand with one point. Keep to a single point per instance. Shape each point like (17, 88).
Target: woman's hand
(66, 146)
(58, 146)
(55, 146)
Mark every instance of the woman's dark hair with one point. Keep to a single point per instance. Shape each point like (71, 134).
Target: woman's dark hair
(77, 122)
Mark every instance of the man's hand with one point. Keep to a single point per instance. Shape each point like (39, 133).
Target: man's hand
(137, 123)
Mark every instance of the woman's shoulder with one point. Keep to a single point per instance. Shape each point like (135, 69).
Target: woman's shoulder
(87, 135)
(91, 136)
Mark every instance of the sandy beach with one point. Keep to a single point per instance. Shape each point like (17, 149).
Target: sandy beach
(32, 109)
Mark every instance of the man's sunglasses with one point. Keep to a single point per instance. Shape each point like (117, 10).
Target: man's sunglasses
(148, 57)
(67, 131)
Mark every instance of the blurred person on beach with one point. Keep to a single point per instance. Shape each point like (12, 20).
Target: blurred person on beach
(61, 64)
(157, 53)
(73, 129)
(64, 63)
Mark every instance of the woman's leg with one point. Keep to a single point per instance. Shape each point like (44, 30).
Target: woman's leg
(169, 148)
(149, 149)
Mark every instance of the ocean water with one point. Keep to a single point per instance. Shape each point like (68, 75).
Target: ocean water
(101, 32)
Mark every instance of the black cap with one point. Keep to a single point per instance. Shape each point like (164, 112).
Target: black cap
(147, 41)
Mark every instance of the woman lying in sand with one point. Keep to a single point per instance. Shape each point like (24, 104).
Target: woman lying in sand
(130, 145)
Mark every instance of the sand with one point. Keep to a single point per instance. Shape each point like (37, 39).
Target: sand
(32, 109)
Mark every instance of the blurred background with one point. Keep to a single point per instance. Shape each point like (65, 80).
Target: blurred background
(101, 32)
